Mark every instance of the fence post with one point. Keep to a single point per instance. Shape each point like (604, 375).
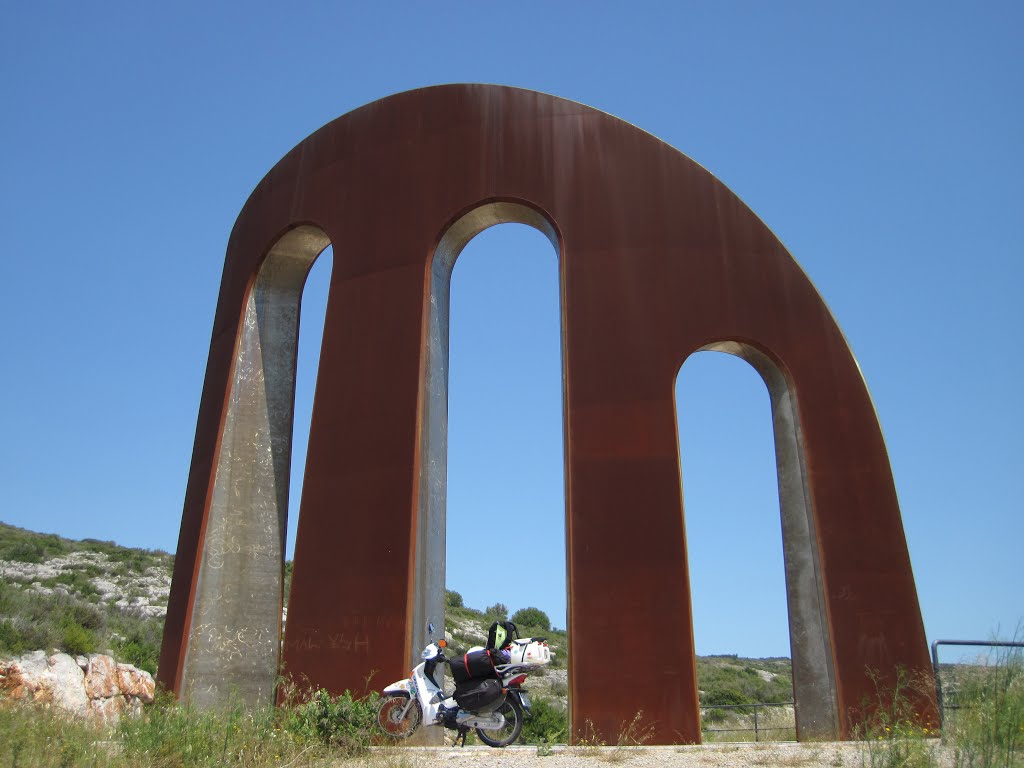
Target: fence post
(939, 698)
(755, 723)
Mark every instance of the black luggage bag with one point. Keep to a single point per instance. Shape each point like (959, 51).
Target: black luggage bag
(476, 665)
(480, 696)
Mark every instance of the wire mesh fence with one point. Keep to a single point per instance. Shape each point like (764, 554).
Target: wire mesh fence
(749, 722)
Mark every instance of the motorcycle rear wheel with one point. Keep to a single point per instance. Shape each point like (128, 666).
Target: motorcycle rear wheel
(391, 721)
(509, 732)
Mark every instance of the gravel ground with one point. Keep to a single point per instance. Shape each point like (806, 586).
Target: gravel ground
(789, 755)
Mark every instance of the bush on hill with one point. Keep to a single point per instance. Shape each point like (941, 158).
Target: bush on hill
(531, 617)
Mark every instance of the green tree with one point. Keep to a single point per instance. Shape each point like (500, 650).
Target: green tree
(496, 612)
(532, 617)
(453, 599)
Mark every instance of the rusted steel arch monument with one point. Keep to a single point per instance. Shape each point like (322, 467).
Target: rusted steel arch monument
(657, 260)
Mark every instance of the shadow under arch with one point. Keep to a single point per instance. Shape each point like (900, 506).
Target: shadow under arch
(430, 562)
(814, 685)
(233, 623)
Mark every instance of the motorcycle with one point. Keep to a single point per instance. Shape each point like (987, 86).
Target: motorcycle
(405, 704)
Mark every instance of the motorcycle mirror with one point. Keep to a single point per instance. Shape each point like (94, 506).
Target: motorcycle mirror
(442, 643)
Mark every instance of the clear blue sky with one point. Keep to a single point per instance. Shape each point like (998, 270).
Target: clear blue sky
(880, 141)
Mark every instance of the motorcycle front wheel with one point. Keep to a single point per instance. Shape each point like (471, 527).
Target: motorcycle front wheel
(391, 720)
(509, 732)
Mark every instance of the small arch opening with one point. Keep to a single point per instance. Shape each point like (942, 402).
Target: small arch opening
(312, 313)
(725, 522)
(731, 505)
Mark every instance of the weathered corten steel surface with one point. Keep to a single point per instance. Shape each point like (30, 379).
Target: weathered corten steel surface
(657, 260)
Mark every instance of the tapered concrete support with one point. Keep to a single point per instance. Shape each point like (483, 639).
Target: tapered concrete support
(656, 260)
(234, 630)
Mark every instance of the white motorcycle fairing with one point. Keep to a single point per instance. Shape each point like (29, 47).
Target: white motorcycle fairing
(433, 705)
(419, 700)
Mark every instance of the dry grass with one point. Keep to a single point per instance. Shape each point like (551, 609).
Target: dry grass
(790, 760)
(632, 736)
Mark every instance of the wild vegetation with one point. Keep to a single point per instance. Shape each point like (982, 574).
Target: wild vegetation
(982, 724)
(71, 608)
(985, 722)
(318, 732)
(64, 608)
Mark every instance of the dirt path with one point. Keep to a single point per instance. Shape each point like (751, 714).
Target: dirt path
(790, 755)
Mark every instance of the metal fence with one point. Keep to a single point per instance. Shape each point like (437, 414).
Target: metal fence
(758, 726)
(944, 701)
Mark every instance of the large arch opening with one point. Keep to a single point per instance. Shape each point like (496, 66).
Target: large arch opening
(234, 631)
(753, 533)
(505, 452)
(431, 563)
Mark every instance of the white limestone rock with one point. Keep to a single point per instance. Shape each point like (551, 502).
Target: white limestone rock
(100, 689)
(65, 680)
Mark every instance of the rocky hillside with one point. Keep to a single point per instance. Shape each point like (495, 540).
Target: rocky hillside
(81, 597)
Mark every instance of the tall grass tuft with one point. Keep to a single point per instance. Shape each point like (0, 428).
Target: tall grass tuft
(891, 732)
(318, 732)
(34, 737)
(987, 729)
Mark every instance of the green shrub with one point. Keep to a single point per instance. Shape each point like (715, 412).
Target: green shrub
(80, 613)
(724, 697)
(727, 680)
(340, 722)
(713, 716)
(453, 599)
(139, 652)
(548, 725)
(531, 617)
(99, 545)
(10, 598)
(496, 612)
(76, 639)
(77, 581)
(42, 622)
(29, 547)
(27, 636)
(12, 641)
